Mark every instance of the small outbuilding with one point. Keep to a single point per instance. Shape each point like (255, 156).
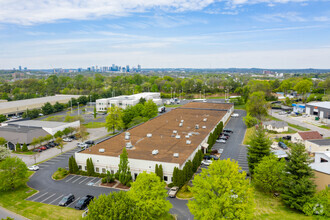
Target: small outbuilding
(313, 146)
(278, 126)
(302, 136)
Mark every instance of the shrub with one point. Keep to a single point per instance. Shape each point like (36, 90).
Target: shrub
(170, 185)
(104, 180)
(25, 148)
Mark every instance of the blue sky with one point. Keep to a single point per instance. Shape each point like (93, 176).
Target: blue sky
(165, 33)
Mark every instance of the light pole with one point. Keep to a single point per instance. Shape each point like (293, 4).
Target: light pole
(78, 108)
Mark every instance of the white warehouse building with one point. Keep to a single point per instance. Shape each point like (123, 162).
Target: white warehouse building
(170, 140)
(127, 100)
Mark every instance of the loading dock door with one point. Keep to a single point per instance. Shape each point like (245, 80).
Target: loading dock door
(321, 114)
(308, 110)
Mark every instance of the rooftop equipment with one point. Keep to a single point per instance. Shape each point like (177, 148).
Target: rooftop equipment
(129, 145)
(154, 152)
(203, 127)
(177, 136)
(181, 124)
(175, 132)
(188, 141)
(205, 119)
(197, 126)
(149, 135)
(101, 150)
(176, 155)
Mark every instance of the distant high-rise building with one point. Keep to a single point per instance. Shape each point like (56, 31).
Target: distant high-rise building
(25, 68)
(20, 68)
(127, 68)
(139, 67)
(79, 70)
(88, 69)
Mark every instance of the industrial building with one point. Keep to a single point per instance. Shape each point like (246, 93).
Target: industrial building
(321, 168)
(127, 100)
(24, 131)
(17, 107)
(170, 140)
(320, 109)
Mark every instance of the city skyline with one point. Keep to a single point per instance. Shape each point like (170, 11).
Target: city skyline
(166, 34)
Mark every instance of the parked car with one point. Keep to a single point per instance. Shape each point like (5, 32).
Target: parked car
(67, 139)
(89, 142)
(282, 145)
(225, 134)
(48, 146)
(66, 200)
(73, 137)
(206, 162)
(42, 148)
(173, 191)
(222, 141)
(162, 109)
(52, 144)
(36, 150)
(235, 115)
(223, 137)
(40, 114)
(83, 145)
(288, 137)
(228, 130)
(209, 157)
(83, 202)
(33, 168)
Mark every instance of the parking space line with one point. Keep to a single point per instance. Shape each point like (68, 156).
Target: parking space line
(49, 162)
(77, 179)
(73, 202)
(70, 178)
(48, 197)
(56, 199)
(92, 180)
(98, 182)
(83, 180)
(40, 196)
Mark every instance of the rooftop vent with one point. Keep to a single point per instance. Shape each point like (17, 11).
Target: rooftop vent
(190, 134)
(149, 135)
(187, 136)
(176, 155)
(129, 145)
(154, 152)
(182, 121)
(197, 126)
(175, 132)
(127, 134)
(188, 141)
(177, 137)
(205, 119)
(127, 137)
(203, 127)
(101, 150)
(180, 125)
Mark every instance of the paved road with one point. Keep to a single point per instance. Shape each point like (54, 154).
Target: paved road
(325, 132)
(4, 213)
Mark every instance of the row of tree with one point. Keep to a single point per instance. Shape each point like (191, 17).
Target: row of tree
(214, 135)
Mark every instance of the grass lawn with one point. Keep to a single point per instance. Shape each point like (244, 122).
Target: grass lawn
(184, 193)
(15, 202)
(248, 133)
(273, 118)
(55, 118)
(290, 131)
(95, 125)
(324, 126)
(60, 174)
(216, 97)
(25, 153)
(298, 127)
(269, 207)
(172, 106)
(240, 107)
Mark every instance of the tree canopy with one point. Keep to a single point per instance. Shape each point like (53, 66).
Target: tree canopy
(124, 173)
(256, 105)
(221, 192)
(114, 119)
(13, 173)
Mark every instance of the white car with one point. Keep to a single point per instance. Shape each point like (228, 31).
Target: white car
(221, 141)
(33, 168)
(67, 139)
(235, 115)
(173, 191)
(82, 145)
(207, 162)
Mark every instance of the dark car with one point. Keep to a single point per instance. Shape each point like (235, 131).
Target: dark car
(228, 130)
(89, 142)
(83, 202)
(209, 157)
(225, 134)
(223, 137)
(66, 200)
(288, 137)
(73, 137)
(282, 145)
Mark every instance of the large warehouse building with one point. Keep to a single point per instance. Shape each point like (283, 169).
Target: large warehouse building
(127, 100)
(320, 109)
(170, 140)
(16, 107)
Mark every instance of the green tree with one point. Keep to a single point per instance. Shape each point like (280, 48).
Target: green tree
(256, 105)
(151, 200)
(124, 173)
(259, 147)
(18, 147)
(160, 172)
(25, 148)
(3, 142)
(268, 174)
(4, 153)
(95, 114)
(90, 167)
(156, 169)
(303, 87)
(47, 109)
(114, 120)
(58, 134)
(75, 168)
(3, 118)
(70, 164)
(221, 192)
(82, 100)
(58, 107)
(142, 101)
(13, 173)
(250, 121)
(116, 205)
(59, 141)
(298, 185)
(150, 109)
(66, 131)
(175, 177)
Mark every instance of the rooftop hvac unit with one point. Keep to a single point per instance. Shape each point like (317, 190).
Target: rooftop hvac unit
(205, 119)
(175, 132)
(127, 134)
(154, 152)
(149, 135)
(176, 155)
(182, 121)
(101, 150)
(197, 126)
(127, 137)
(188, 141)
(190, 134)
(203, 127)
(180, 125)
(129, 145)
(187, 136)
(177, 137)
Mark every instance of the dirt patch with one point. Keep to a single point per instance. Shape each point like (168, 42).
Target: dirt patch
(108, 184)
(121, 186)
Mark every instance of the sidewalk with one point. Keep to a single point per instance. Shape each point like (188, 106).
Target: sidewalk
(94, 134)
(325, 132)
(4, 213)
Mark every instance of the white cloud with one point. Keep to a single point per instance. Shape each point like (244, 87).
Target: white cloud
(277, 17)
(29, 12)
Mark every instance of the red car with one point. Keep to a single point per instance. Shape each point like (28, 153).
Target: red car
(42, 148)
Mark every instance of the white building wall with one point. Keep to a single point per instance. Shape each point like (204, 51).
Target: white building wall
(295, 138)
(312, 147)
(52, 131)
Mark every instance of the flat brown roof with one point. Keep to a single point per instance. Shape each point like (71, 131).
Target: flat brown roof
(207, 105)
(162, 138)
